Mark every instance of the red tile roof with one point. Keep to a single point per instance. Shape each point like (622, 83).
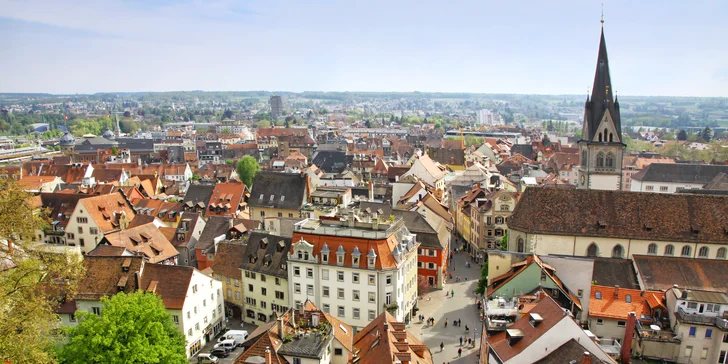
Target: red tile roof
(385, 340)
(612, 302)
(106, 210)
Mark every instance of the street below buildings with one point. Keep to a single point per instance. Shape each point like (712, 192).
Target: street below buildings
(232, 324)
(460, 306)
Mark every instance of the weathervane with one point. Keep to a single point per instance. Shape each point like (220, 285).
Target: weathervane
(602, 21)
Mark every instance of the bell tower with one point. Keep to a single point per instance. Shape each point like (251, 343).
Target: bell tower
(601, 147)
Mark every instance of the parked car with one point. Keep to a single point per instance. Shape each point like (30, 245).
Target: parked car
(220, 353)
(206, 359)
(226, 344)
(238, 335)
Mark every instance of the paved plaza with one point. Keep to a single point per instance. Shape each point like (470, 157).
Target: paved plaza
(462, 306)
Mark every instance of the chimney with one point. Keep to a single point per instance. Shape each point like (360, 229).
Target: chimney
(513, 336)
(371, 191)
(627, 340)
(586, 359)
(279, 322)
(10, 247)
(616, 291)
(268, 358)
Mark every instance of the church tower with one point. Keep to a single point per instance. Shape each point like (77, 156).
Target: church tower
(601, 147)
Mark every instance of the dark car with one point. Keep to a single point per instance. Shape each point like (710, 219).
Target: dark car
(220, 353)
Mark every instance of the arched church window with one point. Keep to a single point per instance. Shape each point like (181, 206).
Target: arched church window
(583, 158)
(600, 159)
(521, 245)
(618, 251)
(600, 136)
(605, 134)
(611, 137)
(592, 250)
(610, 160)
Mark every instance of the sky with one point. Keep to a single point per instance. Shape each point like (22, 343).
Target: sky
(656, 47)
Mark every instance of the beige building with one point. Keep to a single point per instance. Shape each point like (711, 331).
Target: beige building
(278, 195)
(226, 268)
(95, 217)
(265, 277)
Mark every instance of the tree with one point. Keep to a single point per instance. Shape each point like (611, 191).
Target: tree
(707, 134)
(132, 328)
(32, 282)
(504, 242)
(263, 124)
(288, 124)
(247, 168)
(483, 281)
(228, 114)
(682, 135)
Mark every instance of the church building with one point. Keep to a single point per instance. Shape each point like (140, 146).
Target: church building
(601, 147)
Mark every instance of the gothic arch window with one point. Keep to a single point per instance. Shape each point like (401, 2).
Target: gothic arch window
(600, 159)
(652, 248)
(721, 253)
(600, 136)
(592, 250)
(703, 252)
(669, 250)
(611, 137)
(583, 158)
(618, 252)
(686, 251)
(605, 134)
(610, 160)
(521, 245)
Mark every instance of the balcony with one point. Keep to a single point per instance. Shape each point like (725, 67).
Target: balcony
(610, 346)
(701, 319)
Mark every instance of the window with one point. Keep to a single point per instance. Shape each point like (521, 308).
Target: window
(340, 276)
(389, 279)
(431, 265)
(652, 248)
(600, 157)
(296, 360)
(692, 331)
(650, 188)
(325, 258)
(93, 231)
(188, 314)
(327, 308)
(610, 160)
(340, 311)
(81, 242)
(338, 351)
(250, 288)
(355, 295)
(262, 278)
(356, 313)
(600, 322)
(628, 298)
(81, 220)
(432, 252)
(688, 351)
(296, 271)
(372, 280)
(279, 295)
(309, 289)
(325, 274)
(263, 291)
(325, 291)
(725, 338)
(617, 251)
(340, 293)
(669, 250)
(80, 230)
(309, 272)
(708, 333)
(72, 318)
(663, 188)
(685, 251)
(521, 246)
(598, 295)
(692, 305)
(237, 295)
(388, 298)
(372, 315)
(297, 288)
(703, 252)
(704, 353)
(621, 323)
(189, 332)
(237, 283)
(721, 253)
(247, 274)
(499, 220)
(592, 250)
(355, 277)
(580, 293)
(372, 298)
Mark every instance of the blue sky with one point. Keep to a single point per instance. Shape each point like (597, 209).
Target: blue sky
(532, 47)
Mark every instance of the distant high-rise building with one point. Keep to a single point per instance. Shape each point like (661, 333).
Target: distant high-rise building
(276, 105)
(485, 117)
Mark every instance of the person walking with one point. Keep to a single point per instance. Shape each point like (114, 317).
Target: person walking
(442, 346)
(460, 352)
(452, 293)
(461, 341)
(445, 322)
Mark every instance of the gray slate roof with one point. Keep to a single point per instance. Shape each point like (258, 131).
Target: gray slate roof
(268, 258)
(613, 272)
(278, 190)
(679, 173)
(199, 193)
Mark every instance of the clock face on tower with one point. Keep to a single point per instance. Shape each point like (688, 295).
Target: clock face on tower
(582, 179)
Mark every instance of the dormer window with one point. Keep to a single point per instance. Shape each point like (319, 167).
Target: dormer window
(272, 197)
(340, 253)
(355, 257)
(628, 298)
(325, 253)
(371, 259)
(598, 295)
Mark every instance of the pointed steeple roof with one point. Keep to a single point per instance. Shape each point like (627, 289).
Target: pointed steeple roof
(602, 98)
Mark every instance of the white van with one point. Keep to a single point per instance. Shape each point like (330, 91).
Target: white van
(206, 359)
(237, 335)
(229, 344)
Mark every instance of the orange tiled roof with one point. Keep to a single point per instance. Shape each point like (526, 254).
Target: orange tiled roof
(145, 240)
(613, 302)
(106, 209)
(377, 344)
(225, 200)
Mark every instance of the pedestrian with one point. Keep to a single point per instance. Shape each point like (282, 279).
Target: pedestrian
(470, 341)
(442, 346)
(460, 352)
(461, 341)
(452, 293)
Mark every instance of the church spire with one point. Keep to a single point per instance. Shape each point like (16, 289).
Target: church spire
(602, 98)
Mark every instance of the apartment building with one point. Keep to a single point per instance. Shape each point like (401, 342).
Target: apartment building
(354, 269)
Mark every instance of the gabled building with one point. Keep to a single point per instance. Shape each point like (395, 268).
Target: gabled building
(193, 299)
(185, 237)
(387, 340)
(264, 267)
(226, 268)
(672, 178)
(227, 199)
(96, 216)
(429, 172)
(146, 241)
(216, 230)
(303, 335)
(609, 309)
(197, 197)
(548, 334)
(165, 211)
(278, 194)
